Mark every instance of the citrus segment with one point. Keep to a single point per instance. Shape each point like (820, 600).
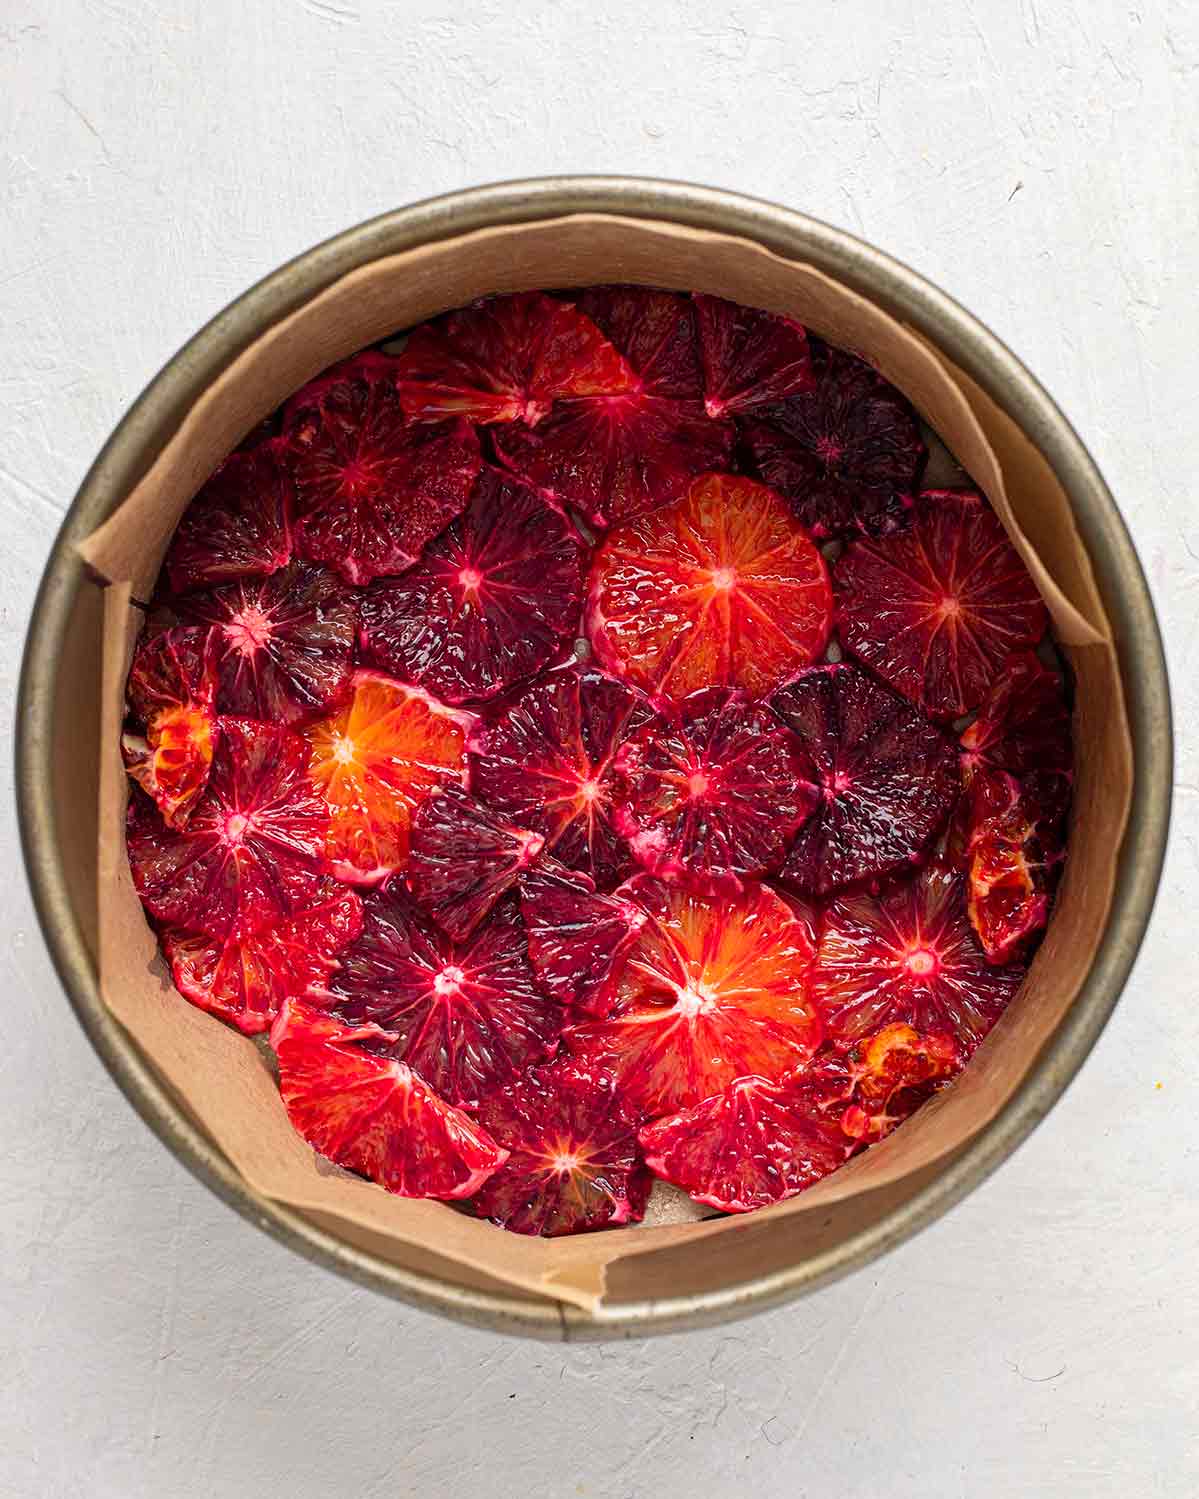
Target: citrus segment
(907, 955)
(171, 690)
(493, 600)
(750, 357)
(712, 990)
(507, 359)
(374, 762)
(548, 762)
(845, 453)
(886, 778)
(578, 939)
(251, 849)
(463, 858)
(714, 793)
(371, 1113)
(370, 488)
(238, 525)
(284, 644)
(245, 976)
(573, 1162)
(722, 588)
(467, 1016)
(937, 610)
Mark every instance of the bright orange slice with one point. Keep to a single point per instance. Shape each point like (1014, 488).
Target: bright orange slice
(375, 762)
(712, 990)
(724, 587)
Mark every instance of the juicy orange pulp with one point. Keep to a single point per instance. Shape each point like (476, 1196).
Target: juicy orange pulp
(724, 587)
(374, 762)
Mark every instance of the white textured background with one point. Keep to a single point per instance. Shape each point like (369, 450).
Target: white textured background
(1037, 158)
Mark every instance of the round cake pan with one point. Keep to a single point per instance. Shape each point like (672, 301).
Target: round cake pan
(58, 822)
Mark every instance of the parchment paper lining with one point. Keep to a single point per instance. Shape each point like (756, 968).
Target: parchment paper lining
(221, 1075)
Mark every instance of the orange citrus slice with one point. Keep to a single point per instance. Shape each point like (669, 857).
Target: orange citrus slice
(374, 762)
(722, 588)
(712, 990)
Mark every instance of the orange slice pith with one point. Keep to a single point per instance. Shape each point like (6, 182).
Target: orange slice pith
(712, 990)
(722, 588)
(374, 762)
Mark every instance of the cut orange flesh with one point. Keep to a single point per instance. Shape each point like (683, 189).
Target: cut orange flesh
(722, 588)
(375, 762)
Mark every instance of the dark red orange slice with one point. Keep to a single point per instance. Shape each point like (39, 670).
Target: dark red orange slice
(909, 956)
(937, 610)
(548, 762)
(886, 777)
(496, 598)
(252, 848)
(573, 1162)
(468, 1016)
(371, 489)
(507, 359)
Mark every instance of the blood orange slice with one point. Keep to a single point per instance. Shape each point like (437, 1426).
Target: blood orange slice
(613, 458)
(467, 1016)
(712, 794)
(722, 588)
(887, 778)
(548, 760)
(907, 955)
(578, 939)
(656, 333)
(938, 610)
(896, 1071)
(1013, 852)
(171, 690)
(845, 453)
(285, 643)
(374, 762)
(752, 1144)
(573, 1162)
(251, 850)
(463, 858)
(1023, 723)
(507, 359)
(238, 525)
(245, 977)
(371, 1113)
(371, 489)
(494, 599)
(712, 990)
(750, 357)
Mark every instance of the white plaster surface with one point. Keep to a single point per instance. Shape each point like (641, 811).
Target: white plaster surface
(1037, 158)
